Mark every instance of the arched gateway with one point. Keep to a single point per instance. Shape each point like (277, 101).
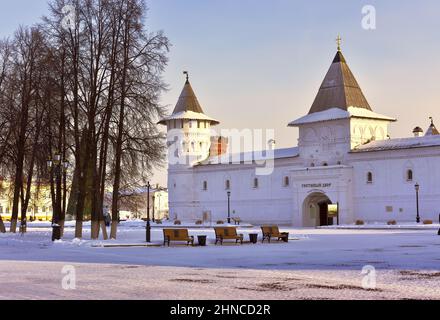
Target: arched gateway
(318, 210)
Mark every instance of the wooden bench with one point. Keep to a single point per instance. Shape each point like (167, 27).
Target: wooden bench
(177, 235)
(270, 232)
(227, 233)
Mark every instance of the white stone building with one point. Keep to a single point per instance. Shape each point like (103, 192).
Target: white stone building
(344, 157)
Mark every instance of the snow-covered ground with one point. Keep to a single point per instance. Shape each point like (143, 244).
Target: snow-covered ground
(382, 225)
(319, 264)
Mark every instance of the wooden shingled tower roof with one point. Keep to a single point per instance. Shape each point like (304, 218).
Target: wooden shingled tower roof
(339, 88)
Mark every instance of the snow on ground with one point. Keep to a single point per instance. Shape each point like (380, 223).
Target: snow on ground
(382, 225)
(321, 264)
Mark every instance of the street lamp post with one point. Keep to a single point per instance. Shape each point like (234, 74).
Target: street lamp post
(439, 223)
(417, 187)
(229, 207)
(57, 165)
(148, 227)
(153, 207)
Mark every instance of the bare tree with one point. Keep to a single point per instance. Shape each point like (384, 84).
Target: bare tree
(88, 90)
(28, 48)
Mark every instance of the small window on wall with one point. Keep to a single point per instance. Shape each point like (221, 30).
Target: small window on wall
(369, 177)
(409, 175)
(256, 182)
(286, 181)
(228, 185)
(205, 185)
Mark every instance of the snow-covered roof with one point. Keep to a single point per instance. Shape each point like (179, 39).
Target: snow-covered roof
(401, 143)
(252, 155)
(188, 107)
(337, 113)
(189, 115)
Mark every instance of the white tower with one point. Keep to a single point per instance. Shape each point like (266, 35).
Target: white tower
(339, 120)
(189, 130)
(189, 142)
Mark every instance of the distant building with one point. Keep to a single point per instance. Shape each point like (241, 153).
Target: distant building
(133, 203)
(344, 168)
(40, 204)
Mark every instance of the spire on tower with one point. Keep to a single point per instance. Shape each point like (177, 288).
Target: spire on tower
(187, 75)
(432, 130)
(338, 42)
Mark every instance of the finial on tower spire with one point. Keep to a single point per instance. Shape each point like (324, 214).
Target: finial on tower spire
(187, 75)
(432, 120)
(338, 42)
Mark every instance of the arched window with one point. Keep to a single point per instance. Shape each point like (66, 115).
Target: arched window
(205, 185)
(369, 177)
(256, 183)
(325, 164)
(286, 181)
(228, 185)
(409, 175)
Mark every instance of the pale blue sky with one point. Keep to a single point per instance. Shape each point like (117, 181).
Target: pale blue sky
(259, 64)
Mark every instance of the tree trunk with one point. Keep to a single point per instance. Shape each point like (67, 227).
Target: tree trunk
(2, 226)
(104, 230)
(61, 223)
(114, 229)
(78, 229)
(119, 142)
(13, 226)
